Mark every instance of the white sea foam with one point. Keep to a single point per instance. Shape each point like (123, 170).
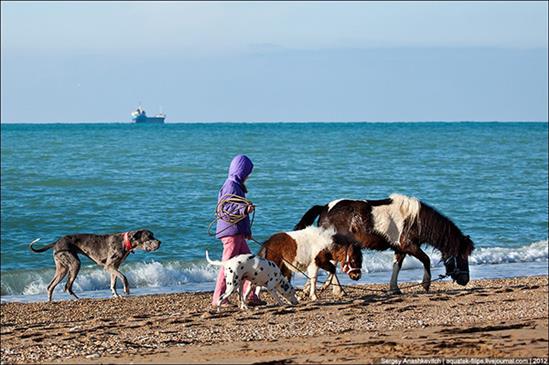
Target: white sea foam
(175, 274)
(534, 252)
(140, 275)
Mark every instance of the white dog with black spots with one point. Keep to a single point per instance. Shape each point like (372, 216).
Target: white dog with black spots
(257, 270)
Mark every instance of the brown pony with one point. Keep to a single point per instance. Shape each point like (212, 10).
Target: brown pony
(402, 224)
(310, 249)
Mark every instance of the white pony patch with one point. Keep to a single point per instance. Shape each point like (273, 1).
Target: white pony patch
(333, 203)
(310, 241)
(389, 219)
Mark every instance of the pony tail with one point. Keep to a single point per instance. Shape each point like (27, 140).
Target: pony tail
(309, 217)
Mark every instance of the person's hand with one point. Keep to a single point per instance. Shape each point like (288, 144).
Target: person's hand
(250, 208)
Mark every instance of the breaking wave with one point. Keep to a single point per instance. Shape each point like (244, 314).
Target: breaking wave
(183, 274)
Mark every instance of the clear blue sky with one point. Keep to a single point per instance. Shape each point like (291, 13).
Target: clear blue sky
(274, 61)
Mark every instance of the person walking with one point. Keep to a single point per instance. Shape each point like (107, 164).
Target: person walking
(233, 235)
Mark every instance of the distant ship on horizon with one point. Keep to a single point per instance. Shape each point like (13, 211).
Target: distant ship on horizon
(139, 116)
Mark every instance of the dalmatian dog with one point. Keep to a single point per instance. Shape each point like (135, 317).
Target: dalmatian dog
(260, 272)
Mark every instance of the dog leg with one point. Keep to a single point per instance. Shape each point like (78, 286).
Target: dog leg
(113, 286)
(243, 304)
(74, 268)
(60, 272)
(230, 282)
(258, 292)
(276, 297)
(126, 284)
(122, 278)
(248, 290)
(227, 294)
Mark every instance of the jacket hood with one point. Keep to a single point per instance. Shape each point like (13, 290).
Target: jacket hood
(241, 167)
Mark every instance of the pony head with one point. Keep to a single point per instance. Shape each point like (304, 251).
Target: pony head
(457, 266)
(352, 265)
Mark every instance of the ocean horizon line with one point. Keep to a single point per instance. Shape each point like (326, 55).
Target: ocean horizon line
(284, 122)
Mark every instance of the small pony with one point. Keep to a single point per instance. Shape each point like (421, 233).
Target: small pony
(312, 248)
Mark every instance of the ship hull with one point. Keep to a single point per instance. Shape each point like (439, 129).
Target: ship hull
(148, 120)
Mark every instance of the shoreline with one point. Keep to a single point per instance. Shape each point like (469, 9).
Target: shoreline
(478, 271)
(487, 318)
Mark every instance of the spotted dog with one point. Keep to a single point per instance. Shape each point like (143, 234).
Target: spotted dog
(259, 271)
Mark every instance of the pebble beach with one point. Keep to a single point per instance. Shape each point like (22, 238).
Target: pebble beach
(499, 318)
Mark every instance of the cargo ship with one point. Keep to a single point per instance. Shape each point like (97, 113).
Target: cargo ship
(139, 116)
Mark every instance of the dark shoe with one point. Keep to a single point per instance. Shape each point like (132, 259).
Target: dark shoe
(256, 302)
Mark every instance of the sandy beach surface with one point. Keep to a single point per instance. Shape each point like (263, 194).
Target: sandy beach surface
(501, 318)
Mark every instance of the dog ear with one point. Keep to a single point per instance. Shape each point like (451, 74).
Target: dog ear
(136, 235)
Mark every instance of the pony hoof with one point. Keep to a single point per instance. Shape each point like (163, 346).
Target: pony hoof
(426, 287)
(395, 291)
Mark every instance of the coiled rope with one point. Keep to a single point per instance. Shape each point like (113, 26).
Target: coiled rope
(231, 217)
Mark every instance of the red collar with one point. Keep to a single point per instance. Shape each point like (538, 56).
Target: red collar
(127, 243)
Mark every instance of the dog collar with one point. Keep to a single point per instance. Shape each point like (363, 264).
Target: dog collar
(127, 243)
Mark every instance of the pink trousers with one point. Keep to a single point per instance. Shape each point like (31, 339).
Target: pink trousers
(232, 246)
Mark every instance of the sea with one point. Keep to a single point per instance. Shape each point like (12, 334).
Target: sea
(490, 178)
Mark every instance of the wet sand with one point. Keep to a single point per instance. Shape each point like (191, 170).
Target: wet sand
(500, 318)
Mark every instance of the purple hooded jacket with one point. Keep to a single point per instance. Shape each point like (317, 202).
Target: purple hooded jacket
(241, 167)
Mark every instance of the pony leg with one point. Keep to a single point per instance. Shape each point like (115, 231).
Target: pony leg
(336, 289)
(328, 282)
(313, 272)
(422, 256)
(397, 264)
(307, 286)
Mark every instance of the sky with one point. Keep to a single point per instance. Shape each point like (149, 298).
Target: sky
(274, 61)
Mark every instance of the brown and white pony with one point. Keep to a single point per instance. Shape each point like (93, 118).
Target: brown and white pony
(402, 224)
(312, 248)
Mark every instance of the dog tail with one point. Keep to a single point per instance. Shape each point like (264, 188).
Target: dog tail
(309, 217)
(262, 251)
(213, 262)
(45, 248)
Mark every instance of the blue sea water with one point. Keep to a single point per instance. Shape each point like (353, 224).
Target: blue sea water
(489, 178)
